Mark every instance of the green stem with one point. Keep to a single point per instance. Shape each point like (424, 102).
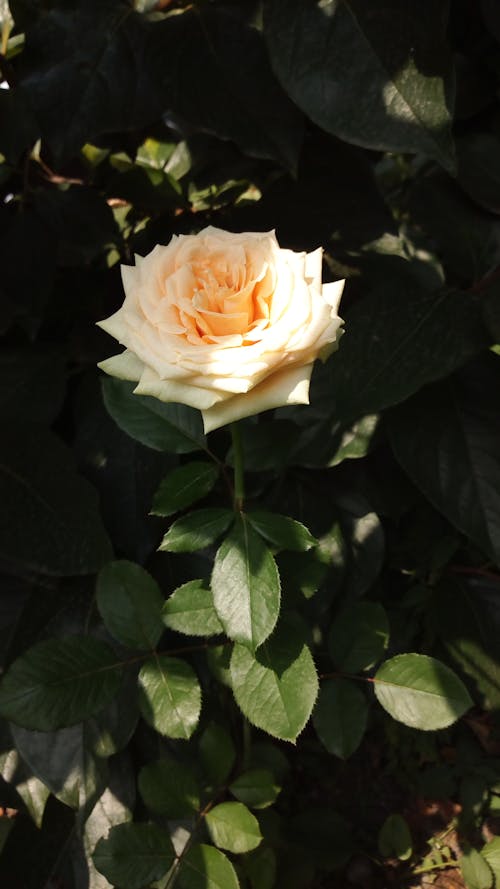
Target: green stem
(239, 483)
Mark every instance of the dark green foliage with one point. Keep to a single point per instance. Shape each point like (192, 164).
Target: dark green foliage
(201, 692)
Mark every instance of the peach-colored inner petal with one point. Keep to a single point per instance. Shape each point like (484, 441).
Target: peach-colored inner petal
(211, 296)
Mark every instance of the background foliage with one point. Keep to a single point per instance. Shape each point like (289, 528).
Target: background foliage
(372, 129)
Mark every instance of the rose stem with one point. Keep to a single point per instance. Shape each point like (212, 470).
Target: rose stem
(239, 485)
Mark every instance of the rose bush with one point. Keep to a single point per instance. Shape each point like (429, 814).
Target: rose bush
(227, 323)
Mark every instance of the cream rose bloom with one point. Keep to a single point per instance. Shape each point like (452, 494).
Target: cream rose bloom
(227, 323)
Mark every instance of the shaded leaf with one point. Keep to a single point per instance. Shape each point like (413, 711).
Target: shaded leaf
(398, 339)
(65, 762)
(183, 486)
(340, 716)
(50, 520)
(358, 636)
(394, 838)
(479, 169)
(130, 604)
(168, 787)
(323, 834)
(398, 96)
(213, 54)
(163, 427)
(32, 383)
(204, 867)
(134, 855)
(32, 791)
(196, 530)
(447, 440)
(256, 788)
(468, 622)
(281, 531)
(59, 682)
(111, 809)
(170, 696)
(217, 753)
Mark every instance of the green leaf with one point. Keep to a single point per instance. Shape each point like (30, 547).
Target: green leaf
(359, 636)
(218, 660)
(479, 169)
(468, 622)
(450, 450)
(233, 827)
(322, 834)
(133, 855)
(190, 610)
(213, 53)
(421, 692)
(196, 530)
(59, 682)
(18, 126)
(399, 94)
(476, 870)
(397, 339)
(394, 838)
(66, 763)
(281, 531)
(183, 486)
(6, 825)
(361, 541)
(265, 445)
(33, 792)
(168, 787)
(28, 260)
(491, 852)
(217, 753)
(32, 383)
(75, 53)
(466, 236)
(246, 586)
(169, 696)
(356, 440)
(340, 716)
(277, 687)
(203, 867)
(160, 63)
(256, 788)
(130, 604)
(50, 520)
(113, 807)
(260, 867)
(164, 427)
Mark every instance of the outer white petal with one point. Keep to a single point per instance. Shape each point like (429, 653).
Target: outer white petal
(332, 293)
(314, 262)
(125, 366)
(115, 325)
(180, 393)
(290, 386)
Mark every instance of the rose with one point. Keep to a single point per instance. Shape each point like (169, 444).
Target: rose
(227, 323)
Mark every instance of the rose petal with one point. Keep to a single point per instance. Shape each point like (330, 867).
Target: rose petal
(332, 292)
(179, 393)
(290, 386)
(314, 262)
(125, 366)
